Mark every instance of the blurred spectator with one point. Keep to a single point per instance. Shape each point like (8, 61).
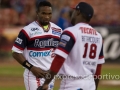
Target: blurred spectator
(30, 9)
(55, 8)
(6, 17)
(18, 5)
(17, 13)
(1, 18)
(5, 4)
(64, 18)
(20, 12)
(22, 20)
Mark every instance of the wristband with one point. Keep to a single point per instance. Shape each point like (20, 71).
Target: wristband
(27, 64)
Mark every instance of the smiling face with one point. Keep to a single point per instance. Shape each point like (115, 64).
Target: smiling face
(44, 15)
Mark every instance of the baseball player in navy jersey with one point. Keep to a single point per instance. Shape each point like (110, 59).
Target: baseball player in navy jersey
(34, 47)
(79, 55)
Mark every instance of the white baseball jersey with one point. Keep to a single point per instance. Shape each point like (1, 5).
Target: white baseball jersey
(81, 46)
(36, 45)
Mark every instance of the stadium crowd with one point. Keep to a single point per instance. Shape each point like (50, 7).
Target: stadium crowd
(22, 12)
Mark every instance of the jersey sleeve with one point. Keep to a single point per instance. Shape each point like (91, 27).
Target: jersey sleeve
(20, 42)
(101, 57)
(67, 41)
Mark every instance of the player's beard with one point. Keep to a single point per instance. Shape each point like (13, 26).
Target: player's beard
(44, 23)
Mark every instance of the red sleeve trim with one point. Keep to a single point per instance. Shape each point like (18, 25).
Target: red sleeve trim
(101, 57)
(18, 47)
(45, 36)
(61, 49)
(57, 63)
(39, 49)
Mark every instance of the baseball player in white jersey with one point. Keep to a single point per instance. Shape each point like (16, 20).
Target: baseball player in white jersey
(34, 47)
(79, 55)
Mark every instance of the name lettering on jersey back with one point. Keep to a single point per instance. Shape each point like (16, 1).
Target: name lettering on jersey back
(90, 39)
(89, 63)
(44, 43)
(88, 30)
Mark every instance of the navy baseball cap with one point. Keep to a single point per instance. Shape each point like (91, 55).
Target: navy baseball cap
(85, 8)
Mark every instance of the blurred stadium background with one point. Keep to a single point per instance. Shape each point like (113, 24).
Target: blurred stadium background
(15, 14)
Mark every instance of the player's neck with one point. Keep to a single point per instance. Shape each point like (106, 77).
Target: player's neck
(45, 27)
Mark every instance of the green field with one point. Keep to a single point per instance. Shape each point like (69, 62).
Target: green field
(11, 77)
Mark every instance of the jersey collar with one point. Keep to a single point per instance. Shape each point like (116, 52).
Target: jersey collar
(45, 30)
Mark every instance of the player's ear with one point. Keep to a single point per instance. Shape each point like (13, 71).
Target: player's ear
(36, 11)
(78, 12)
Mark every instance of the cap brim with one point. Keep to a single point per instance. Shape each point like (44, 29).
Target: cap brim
(73, 7)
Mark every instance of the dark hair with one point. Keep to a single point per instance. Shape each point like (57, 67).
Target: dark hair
(42, 3)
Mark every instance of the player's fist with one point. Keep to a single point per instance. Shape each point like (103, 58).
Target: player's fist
(38, 72)
(39, 88)
(44, 87)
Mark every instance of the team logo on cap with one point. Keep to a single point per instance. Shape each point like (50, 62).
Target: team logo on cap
(77, 7)
(89, 14)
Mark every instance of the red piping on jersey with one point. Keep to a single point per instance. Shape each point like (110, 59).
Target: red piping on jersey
(28, 80)
(38, 81)
(68, 32)
(57, 63)
(56, 29)
(101, 57)
(18, 47)
(25, 34)
(63, 50)
(38, 49)
(45, 36)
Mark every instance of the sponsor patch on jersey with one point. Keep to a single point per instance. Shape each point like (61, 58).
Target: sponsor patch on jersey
(56, 31)
(35, 33)
(39, 54)
(89, 63)
(65, 37)
(18, 40)
(34, 29)
(62, 43)
(46, 43)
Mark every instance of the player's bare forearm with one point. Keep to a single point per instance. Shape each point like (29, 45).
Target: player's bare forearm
(98, 72)
(49, 76)
(55, 67)
(96, 83)
(38, 72)
(35, 70)
(19, 57)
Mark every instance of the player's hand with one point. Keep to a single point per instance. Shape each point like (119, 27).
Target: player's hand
(38, 72)
(44, 87)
